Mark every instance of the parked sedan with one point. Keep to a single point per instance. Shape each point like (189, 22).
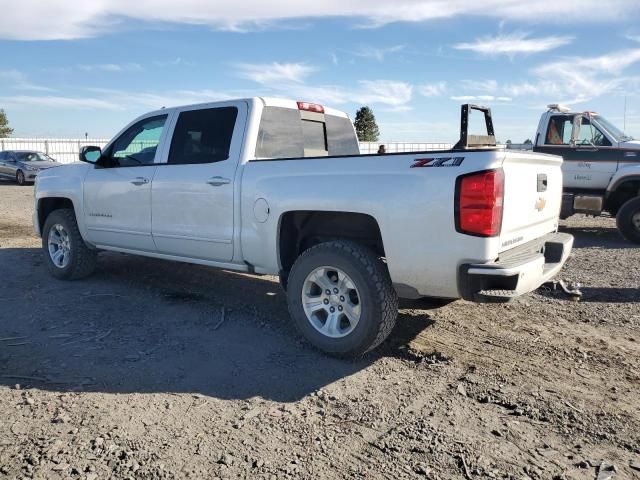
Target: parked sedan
(23, 165)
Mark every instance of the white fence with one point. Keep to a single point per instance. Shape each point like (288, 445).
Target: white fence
(65, 150)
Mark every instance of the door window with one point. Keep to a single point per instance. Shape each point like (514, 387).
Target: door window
(137, 146)
(559, 131)
(203, 136)
(590, 134)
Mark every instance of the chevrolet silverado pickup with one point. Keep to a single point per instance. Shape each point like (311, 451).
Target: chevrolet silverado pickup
(601, 166)
(278, 187)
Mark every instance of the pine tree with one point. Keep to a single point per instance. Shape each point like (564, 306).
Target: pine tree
(366, 126)
(528, 141)
(5, 131)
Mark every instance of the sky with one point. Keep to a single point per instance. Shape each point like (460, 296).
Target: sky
(70, 67)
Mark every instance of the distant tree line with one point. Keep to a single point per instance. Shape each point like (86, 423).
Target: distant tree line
(5, 130)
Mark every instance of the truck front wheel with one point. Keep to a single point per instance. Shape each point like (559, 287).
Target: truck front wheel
(628, 220)
(341, 298)
(66, 255)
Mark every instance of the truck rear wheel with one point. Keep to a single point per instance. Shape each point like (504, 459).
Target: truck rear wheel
(628, 220)
(66, 255)
(341, 298)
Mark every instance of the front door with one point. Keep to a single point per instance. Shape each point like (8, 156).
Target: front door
(590, 158)
(193, 192)
(117, 192)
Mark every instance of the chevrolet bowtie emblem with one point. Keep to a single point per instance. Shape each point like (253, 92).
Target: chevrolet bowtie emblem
(540, 204)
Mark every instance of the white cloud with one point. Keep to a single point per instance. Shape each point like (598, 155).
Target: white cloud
(112, 67)
(633, 38)
(395, 96)
(480, 98)
(579, 79)
(390, 93)
(488, 86)
(20, 81)
(288, 79)
(514, 43)
(274, 73)
(367, 51)
(118, 100)
(68, 19)
(433, 89)
(53, 101)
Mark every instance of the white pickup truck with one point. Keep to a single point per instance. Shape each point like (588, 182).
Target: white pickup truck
(601, 166)
(278, 187)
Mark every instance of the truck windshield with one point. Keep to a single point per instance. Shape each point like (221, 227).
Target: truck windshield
(615, 132)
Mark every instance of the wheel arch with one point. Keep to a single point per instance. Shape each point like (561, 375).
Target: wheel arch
(622, 190)
(299, 230)
(47, 205)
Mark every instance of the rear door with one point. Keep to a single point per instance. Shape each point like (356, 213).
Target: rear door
(193, 190)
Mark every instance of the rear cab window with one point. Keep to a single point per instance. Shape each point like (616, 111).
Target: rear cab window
(291, 133)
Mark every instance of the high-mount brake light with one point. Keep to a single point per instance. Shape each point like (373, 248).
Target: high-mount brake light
(479, 203)
(310, 107)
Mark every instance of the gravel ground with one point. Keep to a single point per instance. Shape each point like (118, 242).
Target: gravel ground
(151, 369)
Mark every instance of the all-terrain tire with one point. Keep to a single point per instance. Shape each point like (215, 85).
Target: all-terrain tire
(628, 220)
(377, 297)
(82, 260)
(20, 178)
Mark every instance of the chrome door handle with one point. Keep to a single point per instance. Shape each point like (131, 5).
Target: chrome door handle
(140, 181)
(218, 181)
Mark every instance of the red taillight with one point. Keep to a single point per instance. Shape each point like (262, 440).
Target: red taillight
(310, 107)
(480, 197)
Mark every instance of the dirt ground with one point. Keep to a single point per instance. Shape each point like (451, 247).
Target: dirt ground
(152, 369)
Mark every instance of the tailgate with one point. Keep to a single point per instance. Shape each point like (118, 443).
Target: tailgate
(532, 197)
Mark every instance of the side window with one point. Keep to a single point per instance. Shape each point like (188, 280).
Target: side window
(138, 145)
(590, 134)
(203, 136)
(559, 131)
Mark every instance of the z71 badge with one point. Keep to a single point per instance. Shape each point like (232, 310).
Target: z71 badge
(438, 162)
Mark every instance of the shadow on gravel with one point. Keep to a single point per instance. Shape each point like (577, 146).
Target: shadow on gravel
(144, 325)
(597, 237)
(597, 294)
(610, 295)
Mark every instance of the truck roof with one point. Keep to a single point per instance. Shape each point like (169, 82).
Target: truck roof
(554, 107)
(266, 101)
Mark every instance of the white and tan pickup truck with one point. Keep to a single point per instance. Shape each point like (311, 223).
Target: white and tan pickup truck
(278, 187)
(601, 166)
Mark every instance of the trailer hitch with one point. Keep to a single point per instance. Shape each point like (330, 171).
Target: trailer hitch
(572, 289)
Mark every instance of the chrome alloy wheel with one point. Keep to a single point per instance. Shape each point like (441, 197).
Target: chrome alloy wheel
(331, 302)
(635, 220)
(59, 246)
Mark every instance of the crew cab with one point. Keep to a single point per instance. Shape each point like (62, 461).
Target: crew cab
(601, 166)
(278, 187)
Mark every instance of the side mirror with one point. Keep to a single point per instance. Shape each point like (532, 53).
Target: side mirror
(90, 154)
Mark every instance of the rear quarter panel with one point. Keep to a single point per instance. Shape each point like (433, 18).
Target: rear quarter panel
(414, 208)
